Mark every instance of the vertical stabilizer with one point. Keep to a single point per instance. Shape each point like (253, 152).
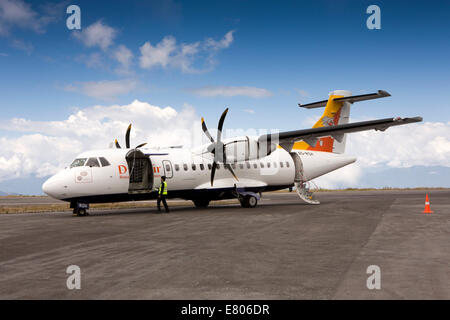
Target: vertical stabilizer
(336, 112)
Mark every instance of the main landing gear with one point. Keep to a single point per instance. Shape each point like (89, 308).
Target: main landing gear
(201, 203)
(247, 199)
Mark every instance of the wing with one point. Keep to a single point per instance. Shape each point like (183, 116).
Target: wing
(310, 136)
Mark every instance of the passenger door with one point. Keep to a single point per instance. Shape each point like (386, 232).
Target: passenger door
(168, 169)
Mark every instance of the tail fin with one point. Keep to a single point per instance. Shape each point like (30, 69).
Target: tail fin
(336, 112)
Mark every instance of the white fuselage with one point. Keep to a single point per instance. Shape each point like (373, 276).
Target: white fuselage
(188, 174)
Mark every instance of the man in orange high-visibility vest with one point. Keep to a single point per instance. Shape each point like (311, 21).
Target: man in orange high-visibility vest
(162, 194)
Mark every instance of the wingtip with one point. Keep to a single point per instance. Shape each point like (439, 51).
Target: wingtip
(384, 93)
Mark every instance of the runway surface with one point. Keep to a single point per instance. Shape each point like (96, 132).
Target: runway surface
(283, 249)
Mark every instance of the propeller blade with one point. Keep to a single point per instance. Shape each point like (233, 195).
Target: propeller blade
(228, 166)
(127, 137)
(141, 145)
(205, 130)
(220, 126)
(213, 172)
(117, 144)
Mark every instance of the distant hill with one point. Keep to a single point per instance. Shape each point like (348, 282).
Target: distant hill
(26, 186)
(2, 194)
(418, 176)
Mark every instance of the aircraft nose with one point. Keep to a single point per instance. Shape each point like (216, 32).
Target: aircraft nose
(50, 187)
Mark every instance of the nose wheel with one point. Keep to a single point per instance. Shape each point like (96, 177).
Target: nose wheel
(80, 213)
(79, 209)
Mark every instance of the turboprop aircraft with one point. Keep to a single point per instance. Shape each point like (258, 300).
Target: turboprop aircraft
(240, 167)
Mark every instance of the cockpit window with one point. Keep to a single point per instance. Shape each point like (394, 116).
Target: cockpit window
(92, 162)
(104, 162)
(78, 162)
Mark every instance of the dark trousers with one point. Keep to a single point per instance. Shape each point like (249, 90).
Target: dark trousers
(163, 199)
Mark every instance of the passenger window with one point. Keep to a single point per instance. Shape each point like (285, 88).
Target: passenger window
(241, 166)
(177, 167)
(167, 167)
(78, 162)
(262, 165)
(202, 167)
(248, 165)
(104, 162)
(92, 162)
(218, 166)
(281, 164)
(255, 165)
(268, 164)
(233, 165)
(185, 167)
(193, 167)
(287, 164)
(209, 166)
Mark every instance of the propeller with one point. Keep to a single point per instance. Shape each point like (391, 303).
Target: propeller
(127, 140)
(218, 148)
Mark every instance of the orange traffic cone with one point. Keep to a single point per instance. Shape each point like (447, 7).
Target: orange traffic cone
(427, 205)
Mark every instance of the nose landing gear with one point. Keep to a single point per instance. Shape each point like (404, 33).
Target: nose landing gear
(79, 209)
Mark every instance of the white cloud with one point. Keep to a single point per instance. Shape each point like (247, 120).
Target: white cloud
(345, 177)
(152, 56)
(97, 34)
(251, 111)
(24, 156)
(221, 44)
(193, 57)
(124, 56)
(104, 90)
(18, 13)
(425, 143)
(87, 129)
(211, 91)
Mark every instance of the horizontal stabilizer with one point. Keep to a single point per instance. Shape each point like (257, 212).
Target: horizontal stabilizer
(351, 99)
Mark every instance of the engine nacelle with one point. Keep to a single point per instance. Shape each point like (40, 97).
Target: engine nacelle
(247, 148)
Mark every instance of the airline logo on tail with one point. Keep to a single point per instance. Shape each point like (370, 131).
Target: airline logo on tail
(328, 122)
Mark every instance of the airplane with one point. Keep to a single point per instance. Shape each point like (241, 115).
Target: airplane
(240, 167)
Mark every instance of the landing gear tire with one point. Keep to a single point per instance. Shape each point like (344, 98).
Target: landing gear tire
(249, 202)
(80, 213)
(201, 203)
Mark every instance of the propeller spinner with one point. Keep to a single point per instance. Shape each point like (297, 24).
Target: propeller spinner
(218, 148)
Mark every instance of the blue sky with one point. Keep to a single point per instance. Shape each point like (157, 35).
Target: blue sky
(292, 51)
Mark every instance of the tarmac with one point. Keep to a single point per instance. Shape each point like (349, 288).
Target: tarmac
(282, 249)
